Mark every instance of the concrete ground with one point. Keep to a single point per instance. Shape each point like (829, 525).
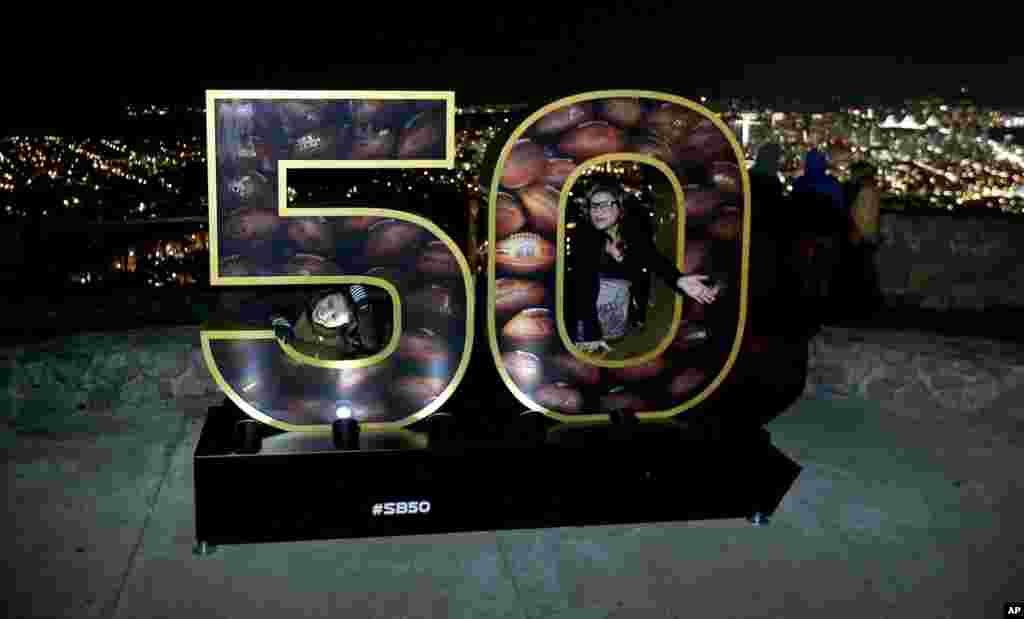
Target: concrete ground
(894, 515)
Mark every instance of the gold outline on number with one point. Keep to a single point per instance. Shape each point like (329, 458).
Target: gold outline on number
(677, 311)
(285, 211)
(491, 255)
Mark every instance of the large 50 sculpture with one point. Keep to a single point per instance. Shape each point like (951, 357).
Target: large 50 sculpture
(679, 171)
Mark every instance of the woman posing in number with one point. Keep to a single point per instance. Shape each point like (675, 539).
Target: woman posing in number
(619, 245)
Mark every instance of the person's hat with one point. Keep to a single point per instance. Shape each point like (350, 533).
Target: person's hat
(606, 184)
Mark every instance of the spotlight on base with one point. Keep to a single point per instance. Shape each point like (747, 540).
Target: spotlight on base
(247, 436)
(345, 428)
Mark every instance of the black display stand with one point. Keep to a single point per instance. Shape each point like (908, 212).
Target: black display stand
(254, 483)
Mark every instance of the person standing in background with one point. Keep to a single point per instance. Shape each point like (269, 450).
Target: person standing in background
(821, 208)
(766, 188)
(864, 294)
(771, 240)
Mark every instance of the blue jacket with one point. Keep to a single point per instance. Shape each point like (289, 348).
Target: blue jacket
(816, 180)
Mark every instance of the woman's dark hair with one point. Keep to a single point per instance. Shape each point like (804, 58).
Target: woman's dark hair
(602, 188)
(606, 183)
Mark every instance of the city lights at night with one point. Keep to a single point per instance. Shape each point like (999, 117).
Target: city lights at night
(930, 153)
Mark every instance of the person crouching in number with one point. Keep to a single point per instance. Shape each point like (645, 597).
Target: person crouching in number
(612, 257)
(335, 323)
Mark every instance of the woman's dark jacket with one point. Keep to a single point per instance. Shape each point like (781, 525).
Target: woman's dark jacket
(589, 262)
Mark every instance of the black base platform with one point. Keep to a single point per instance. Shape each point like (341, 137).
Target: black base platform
(257, 484)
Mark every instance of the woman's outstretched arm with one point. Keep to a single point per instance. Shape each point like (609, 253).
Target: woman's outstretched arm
(642, 249)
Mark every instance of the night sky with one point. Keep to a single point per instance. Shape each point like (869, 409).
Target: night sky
(83, 70)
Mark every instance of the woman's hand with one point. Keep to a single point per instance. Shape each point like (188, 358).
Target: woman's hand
(693, 285)
(615, 249)
(593, 347)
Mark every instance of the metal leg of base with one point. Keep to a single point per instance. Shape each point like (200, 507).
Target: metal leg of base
(203, 549)
(759, 519)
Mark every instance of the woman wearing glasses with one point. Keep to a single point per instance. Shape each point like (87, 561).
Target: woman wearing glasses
(612, 261)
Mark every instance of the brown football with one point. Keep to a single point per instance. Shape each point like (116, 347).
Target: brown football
(653, 145)
(691, 335)
(671, 121)
(397, 277)
(563, 118)
(509, 216)
(311, 264)
(254, 191)
(304, 111)
(251, 224)
(645, 371)
(373, 110)
(418, 391)
(437, 260)
(424, 348)
(695, 256)
(531, 328)
(623, 401)
(575, 371)
(524, 253)
(685, 382)
(541, 204)
(437, 300)
(592, 139)
(389, 239)
(422, 135)
(237, 265)
(726, 227)
(560, 398)
(706, 144)
(558, 171)
(513, 295)
(701, 202)
(313, 234)
(370, 142)
(623, 111)
(359, 223)
(524, 368)
(524, 165)
(317, 144)
(726, 176)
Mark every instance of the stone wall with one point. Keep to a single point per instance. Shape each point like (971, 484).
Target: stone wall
(92, 381)
(951, 261)
(915, 371)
